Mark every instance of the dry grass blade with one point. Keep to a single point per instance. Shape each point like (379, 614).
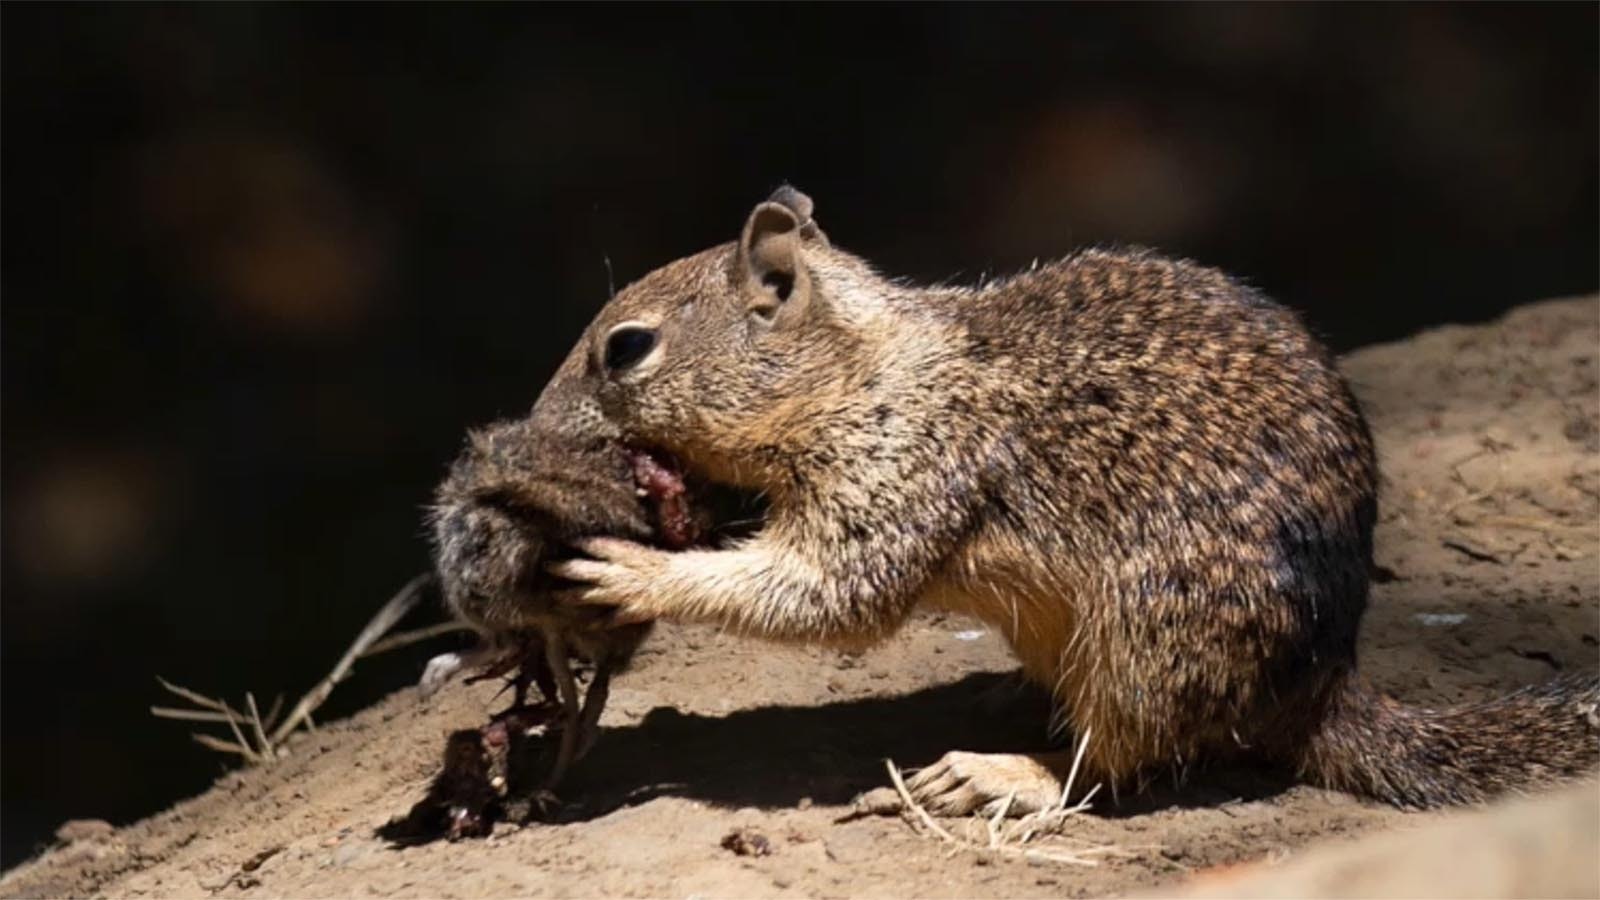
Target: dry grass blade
(269, 733)
(391, 613)
(407, 638)
(187, 715)
(233, 726)
(1049, 821)
(1475, 496)
(1015, 841)
(194, 697)
(206, 740)
(272, 714)
(1077, 762)
(912, 805)
(260, 731)
(212, 710)
(999, 816)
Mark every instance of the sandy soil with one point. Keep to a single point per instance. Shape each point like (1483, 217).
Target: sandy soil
(1490, 443)
(1541, 846)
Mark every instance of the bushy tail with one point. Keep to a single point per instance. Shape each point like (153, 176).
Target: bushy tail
(1417, 757)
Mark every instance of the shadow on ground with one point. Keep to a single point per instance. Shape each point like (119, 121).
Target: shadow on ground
(776, 756)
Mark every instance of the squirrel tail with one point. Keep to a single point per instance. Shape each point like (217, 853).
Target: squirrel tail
(1418, 757)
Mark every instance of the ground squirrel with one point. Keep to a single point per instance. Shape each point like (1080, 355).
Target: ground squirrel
(1149, 477)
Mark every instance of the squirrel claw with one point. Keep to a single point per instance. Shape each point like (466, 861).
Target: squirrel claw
(583, 571)
(619, 575)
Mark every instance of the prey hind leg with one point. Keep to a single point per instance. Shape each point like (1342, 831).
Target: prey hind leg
(594, 703)
(571, 707)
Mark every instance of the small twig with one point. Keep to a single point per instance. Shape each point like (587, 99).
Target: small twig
(998, 841)
(1525, 523)
(272, 714)
(199, 700)
(999, 816)
(233, 725)
(1470, 552)
(256, 726)
(392, 612)
(1472, 495)
(270, 733)
(407, 638)
(1077, 760)
(212, 710)
(1047, 821)
(914, 806)
(206, 740)
(187, 715)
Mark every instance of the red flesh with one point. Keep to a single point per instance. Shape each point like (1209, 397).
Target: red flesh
(665, 488)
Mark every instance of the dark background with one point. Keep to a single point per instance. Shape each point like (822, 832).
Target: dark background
(263, 265)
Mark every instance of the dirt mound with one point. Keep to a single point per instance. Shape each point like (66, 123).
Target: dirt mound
(1542, 847)
(1490, 443)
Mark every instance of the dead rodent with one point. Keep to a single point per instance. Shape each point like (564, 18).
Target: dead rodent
(513, 499)
(1149, 477)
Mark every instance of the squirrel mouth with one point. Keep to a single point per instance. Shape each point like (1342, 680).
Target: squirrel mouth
(688, 510)
(660, 482)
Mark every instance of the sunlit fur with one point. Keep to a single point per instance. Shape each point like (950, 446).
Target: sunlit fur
(1151, 479)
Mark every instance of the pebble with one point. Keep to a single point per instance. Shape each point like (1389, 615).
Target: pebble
(851, 845)
(347, 854)
(84, 830)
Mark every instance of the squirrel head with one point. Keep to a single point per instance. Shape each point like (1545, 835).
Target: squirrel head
(724, 359)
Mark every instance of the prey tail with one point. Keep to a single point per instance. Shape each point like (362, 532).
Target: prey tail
(1418, 757)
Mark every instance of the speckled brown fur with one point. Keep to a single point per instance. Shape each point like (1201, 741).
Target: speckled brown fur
(517, 492)
(1150, 477)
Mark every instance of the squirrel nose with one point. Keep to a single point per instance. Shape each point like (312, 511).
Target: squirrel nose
(626, 345)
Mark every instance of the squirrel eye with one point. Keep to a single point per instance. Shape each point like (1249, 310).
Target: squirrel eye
(626, 345)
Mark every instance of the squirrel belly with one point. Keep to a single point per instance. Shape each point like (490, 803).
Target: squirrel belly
(1152, 479)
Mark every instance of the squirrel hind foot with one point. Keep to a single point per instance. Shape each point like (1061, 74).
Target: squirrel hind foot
(961, 783)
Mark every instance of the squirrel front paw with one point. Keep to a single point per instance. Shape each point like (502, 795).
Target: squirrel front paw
(619, 574)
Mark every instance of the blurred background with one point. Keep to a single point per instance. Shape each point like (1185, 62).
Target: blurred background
(262, 265)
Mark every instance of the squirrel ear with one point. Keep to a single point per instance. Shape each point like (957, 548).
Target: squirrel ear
(798, 203)
(774, 275)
